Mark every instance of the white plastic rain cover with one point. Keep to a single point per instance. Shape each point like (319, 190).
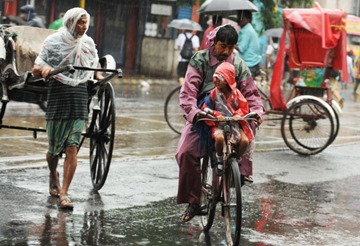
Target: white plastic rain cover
(68, 47)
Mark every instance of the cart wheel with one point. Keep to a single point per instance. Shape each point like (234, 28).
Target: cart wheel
(102, 137)
(307, 127)
(336, 125)
(173, 115)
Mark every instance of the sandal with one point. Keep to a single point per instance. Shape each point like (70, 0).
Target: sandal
(65, 203)
(54, 185)
(192, 210)
(247, 179)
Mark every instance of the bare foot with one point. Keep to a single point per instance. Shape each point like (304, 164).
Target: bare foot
(54, 185)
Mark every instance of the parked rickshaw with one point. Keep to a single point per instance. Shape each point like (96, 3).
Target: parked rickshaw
(19, 46)
(314, 41)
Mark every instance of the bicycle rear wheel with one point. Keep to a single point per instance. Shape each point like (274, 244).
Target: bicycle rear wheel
(209, 181)
(232, 205)
(173, 115)
(307, 127)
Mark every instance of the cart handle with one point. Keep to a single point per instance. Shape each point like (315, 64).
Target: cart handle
(114, 71)
(67, 68)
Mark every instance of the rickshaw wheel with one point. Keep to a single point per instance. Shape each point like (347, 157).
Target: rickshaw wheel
(307, 127)
(102, 137)
(336, 125)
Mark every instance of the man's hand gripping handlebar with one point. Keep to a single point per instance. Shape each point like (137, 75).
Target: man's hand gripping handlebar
(207, 115)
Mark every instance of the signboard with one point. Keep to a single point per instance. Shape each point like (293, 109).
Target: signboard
(161, 9)
(353, 25)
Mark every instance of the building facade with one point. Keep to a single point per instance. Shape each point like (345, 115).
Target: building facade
(134, 32)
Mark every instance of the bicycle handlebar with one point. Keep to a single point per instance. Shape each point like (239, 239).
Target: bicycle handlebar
(208, 115)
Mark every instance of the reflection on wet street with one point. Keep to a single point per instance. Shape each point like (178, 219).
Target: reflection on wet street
(294, 201)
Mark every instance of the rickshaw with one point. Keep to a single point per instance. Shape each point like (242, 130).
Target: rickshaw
(19, 46)
(314, 42)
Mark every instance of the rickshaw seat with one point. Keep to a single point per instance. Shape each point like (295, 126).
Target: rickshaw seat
(28, 44)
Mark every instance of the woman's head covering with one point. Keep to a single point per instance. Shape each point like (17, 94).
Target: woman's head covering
(67, 47)
(227, 71)
(71, 17)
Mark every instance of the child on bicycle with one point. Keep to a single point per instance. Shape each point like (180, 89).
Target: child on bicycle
(226, 100)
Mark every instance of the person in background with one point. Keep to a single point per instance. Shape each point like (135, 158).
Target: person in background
(334, 84)
(350, 66)
(216, 21)
(67, 99)
(58, 23)
(182, 62)
(356, 75)
(198, 82)
(248, 42)
(28, 14)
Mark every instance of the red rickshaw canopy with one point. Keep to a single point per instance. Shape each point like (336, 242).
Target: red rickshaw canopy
(312, 38)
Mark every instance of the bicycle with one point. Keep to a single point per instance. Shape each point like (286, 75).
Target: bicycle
(224, 189)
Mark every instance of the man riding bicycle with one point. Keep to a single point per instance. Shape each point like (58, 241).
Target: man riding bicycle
(199, 81)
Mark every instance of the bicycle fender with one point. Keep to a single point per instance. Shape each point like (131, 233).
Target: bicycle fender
(232, 155)
(305, 97)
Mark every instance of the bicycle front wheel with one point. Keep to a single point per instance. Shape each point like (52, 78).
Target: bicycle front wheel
(232, 205)
(173, 115)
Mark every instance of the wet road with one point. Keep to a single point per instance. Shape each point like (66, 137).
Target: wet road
(295, 200)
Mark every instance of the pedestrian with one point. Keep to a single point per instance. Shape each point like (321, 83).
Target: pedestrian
(248, 43)
(67, 96)
(216, 21)
(184, 62)
(357, 75)
(28, 14)
(335, 87)
(226, 100)
(198, 82)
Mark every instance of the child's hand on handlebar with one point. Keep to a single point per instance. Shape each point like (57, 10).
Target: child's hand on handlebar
(236, 117)
(220, 118)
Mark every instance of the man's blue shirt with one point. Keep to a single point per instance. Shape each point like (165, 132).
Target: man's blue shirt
(249, 46)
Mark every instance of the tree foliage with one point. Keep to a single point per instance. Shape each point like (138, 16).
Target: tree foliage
(270, 13)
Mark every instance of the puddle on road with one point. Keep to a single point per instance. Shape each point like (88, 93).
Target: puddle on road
(275, 213)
